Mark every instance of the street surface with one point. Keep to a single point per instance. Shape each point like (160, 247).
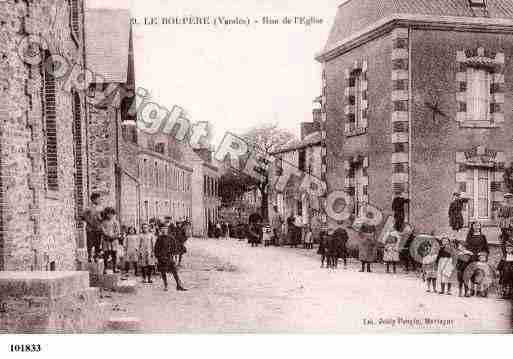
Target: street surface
(234, 288)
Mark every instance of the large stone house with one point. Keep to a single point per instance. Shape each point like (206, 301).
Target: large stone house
(42, 136)
(417, 98)
(166, 181)
(305, 155)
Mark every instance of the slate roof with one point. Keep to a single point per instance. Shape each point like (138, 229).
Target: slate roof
(355, 15)
(310, 140)
(107, 34)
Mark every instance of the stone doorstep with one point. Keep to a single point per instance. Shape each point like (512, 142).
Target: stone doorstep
(42, 283)
(122, 324)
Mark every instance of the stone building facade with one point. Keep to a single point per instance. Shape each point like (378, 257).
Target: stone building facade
(416, 98)
(166, 182)
(205, 189)
(305, 155)
(112, 136)
(42, 136)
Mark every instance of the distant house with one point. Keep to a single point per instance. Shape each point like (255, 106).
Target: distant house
(305, 155)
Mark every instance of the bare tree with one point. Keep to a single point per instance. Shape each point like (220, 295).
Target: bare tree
(268, 138)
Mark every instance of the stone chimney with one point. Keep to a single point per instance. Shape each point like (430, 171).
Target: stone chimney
(205, 154)
(317, 115)
(308, 128)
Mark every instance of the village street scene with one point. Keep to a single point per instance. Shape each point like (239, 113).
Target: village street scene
(378, 201)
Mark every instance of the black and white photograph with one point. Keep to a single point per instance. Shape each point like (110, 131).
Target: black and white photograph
(255, 167)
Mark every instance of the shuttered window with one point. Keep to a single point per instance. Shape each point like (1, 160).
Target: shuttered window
(478, 94)
(75, 18)
(50, 122)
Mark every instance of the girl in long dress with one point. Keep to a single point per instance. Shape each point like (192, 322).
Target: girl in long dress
(391, 250)
(146, 255)
(446, 266)
(131, 250)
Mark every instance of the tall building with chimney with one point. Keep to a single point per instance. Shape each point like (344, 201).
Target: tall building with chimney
(416, 98)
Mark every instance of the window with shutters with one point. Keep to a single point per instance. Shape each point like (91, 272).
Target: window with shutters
(50, 126)
(75, 19)
(478, 186)
(160, 147)
(478, 94)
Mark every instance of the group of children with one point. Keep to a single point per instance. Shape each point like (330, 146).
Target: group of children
(332, 247)
(455, 262)
(442, 261)
(122, 248)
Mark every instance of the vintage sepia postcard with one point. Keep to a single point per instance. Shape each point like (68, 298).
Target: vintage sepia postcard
(256, 166)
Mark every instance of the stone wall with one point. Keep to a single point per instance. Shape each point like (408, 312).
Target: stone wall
(38, 224)
(102, 148)
(438, 138)
(374, 142)
(49, 303)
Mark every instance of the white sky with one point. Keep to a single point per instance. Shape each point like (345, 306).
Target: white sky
(236, 76)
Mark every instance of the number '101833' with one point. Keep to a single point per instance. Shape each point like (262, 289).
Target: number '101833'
(25, 348)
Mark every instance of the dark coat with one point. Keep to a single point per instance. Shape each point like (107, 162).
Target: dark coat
(180, 238)
(367, 248)
(163, 251)
(456, 213)
(506, 272)
(253, 233)
(323, 246)
(340, 238)
(398, 205)
(476, 243)
(332, 247)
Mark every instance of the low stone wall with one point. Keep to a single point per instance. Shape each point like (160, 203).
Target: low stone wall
(49, 302)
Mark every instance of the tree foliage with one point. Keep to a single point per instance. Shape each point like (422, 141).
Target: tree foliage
(232, 186)
(267, 138)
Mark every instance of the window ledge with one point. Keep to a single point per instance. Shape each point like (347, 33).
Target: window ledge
(478, 124)
(356, 132)
(53, 194)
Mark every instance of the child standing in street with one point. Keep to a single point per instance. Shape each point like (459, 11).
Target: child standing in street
(505, 269)
(111, 233)
(391, 251)
(323, 248)
(463, 257)
(266, 235)
(146, 256)
(481, 276)
(332, 253)
(428, 265)
(308, 238)
(131, 250)
(445, 266)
